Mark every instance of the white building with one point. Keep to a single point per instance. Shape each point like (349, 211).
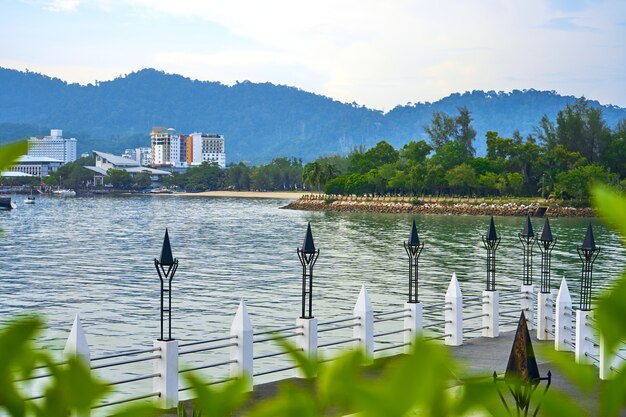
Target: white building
(179, 150)
(37, 166)
(54, 146)
(142, 155)
(208, 148)
(106, 161)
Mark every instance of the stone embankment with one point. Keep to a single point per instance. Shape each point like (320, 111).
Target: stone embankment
(437, 206)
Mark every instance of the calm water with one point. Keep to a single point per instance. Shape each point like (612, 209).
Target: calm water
(94, 256)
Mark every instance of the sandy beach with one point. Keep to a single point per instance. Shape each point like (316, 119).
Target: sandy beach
(248, 194)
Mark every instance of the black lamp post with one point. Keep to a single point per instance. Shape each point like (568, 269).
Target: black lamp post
(166, 267)
(491, 241)
(308, 255)
(588, 253)
(527, 237)
(522, 373)
(413, 248)
(546, 244)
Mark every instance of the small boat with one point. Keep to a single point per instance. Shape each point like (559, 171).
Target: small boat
(7, 204)
(30, 199)
(65, 193)
(161, 190)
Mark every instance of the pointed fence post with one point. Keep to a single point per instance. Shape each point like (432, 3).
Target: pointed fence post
(77, 347)
(365, 331)
(584, 336)
(563, 319)
(242, 351)
(453, 314)
(76, 344)
(545, 316)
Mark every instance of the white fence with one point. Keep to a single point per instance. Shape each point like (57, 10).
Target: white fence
(377, 333)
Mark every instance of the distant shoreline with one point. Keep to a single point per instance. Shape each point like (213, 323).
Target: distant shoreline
(455, 206)
(283, 195)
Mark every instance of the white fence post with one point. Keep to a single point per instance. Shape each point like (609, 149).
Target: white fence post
(563, 319)
(413, 322)
(526, 303)
(453, 315)
(609, 361)
(77, 347)
(242, 351)
(491, 311)
(584, 336)
(307, 340)
(166, 365)
(545, 316)
(365, 331)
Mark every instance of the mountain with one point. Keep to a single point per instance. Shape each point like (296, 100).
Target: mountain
(260, 121)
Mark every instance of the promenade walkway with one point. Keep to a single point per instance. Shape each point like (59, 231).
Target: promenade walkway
(481, 357)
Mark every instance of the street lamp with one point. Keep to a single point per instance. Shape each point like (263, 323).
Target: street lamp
(546, 244)
(413, 248)
(166, 267)
(491, 241)
(588, 253)
(527, 237)
(308, 255)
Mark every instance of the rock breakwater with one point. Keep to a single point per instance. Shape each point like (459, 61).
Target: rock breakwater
(360, 204)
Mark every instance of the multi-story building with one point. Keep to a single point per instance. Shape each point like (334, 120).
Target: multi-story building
(143, 156)
(37, 166)
(179, 150)
(54, 146)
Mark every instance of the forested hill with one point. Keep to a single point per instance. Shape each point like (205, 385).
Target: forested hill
(259, 121)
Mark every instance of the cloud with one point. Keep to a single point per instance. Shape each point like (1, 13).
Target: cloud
(62, 5)
(566, 23)
(352, 50)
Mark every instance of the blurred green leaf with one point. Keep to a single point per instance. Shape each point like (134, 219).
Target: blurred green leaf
(558, 404)
(221, 400)
(584, 377)
(9, 153)
(613, 394)
(292, 401)
(306, 365)
(611, 207)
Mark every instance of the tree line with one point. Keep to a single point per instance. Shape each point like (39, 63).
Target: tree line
(559, 159)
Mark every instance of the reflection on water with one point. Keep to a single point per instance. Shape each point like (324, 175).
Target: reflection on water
(93, 256)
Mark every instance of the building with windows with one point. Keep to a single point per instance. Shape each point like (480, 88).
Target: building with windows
(106, 161)
(141, 155)
(37, 166)
(171, 149)
(54, 146)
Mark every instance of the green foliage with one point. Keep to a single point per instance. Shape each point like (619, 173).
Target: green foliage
(119, 178)
(69, 387)
(574, 184)
(9, 153)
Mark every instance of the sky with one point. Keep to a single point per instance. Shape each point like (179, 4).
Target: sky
(376, 53)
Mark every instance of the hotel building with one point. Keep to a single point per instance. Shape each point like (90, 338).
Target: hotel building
(54, 146)
(179, 150)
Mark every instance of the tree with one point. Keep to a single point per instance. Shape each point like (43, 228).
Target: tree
(462, 178)
(415, 151)
(465, 133)
(546, 133)
(580, 128)
(142, 180)
(575, 184)
(442, 129)
(118, 178)
(238, 176)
